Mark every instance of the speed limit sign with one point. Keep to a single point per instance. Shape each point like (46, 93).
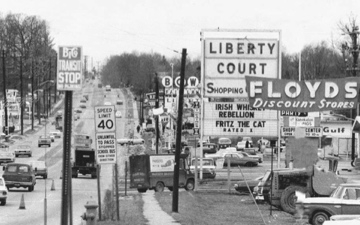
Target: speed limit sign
(105, 118)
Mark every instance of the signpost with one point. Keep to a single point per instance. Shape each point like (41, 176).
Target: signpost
(69, 77)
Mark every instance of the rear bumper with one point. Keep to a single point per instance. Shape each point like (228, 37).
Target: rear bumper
(19, 184)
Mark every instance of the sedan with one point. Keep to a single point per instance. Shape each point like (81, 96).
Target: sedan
(44, 140)
(83, 106)
(344, 200)
(239, 159)
(3, 191)
(40, 168)
(243, 186)
(23, 149)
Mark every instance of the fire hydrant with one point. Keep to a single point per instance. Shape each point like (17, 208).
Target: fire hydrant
(90, 215)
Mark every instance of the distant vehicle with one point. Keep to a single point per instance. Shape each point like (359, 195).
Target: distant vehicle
(40, 168)
(84, 162)
(44, 140)
(253, 153)
(208, 167)
(3, 191)
(118, 114)
(107, 103)
(76, 116)
(242, 186)
(108, 88)
(209, 148)
(59, 122)
(221, 153)
(157, 172)
(19, 175)
(83, 106)
(55, 134)
(78, 110)
(344, 200)
(23, 149)
(83, 100)
(224, 143)
(119, 102)
(6, 154)
(257, 157)
(239, 159)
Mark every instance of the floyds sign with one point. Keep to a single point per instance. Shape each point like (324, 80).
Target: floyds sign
(303, 96)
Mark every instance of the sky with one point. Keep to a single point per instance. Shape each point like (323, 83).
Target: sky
(112, 27)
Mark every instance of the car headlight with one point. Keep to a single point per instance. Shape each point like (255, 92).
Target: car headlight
(236, 185)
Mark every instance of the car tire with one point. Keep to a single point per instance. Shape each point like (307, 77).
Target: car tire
(190, 185)
(31, 188)
(248, 164)
(39, 146)
(287, 199)
(45, 177)
(16, 156)
(170, 188)
(159, 187)
(3, 202)
(319, 218)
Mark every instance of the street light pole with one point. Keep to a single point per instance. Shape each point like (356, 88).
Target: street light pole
(4, 86)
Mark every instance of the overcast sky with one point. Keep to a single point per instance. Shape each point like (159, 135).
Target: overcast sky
(110, 27)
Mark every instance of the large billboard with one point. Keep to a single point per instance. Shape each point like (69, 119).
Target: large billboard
(303, 96)
(228, 60)
(69, 74)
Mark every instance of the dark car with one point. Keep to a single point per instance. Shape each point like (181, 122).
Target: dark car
(40, 168)
(243, 186)
(19, 175)
(209, 148)
(344, 200)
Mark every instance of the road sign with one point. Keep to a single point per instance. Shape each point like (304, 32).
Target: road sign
(105, 118)
(69, 76)
(106, 147)
(290, 113)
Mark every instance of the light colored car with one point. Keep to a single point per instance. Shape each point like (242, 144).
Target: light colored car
(345, 199)
(44, 140)
(83, 106)
(208, 167)
(108, 88)
(6, 154)
(118, 114)
(23, 149)
(40, 168)
(221, 153)
(107, 103)
(260, 158)
(3, 191)
(55, 134)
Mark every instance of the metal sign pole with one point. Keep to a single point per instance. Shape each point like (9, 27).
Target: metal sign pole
(65, 195)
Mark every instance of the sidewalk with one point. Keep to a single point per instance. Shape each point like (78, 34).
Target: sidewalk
(152, 210)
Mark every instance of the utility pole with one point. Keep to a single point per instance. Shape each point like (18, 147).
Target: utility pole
(355, 53)
(49, 91)
(157, 117)
(4, 86)
(32, 94)
(55, 87)
(175, 202)
(21, 97)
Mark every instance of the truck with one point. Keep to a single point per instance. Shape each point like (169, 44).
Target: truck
(83, 157)
(155, 172)
(278, 187)
(59, 122)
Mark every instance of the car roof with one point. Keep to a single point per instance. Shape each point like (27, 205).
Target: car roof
(17, 164)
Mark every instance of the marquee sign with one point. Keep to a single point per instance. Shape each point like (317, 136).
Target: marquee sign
(303, 96)
(238, 119)
(228, 60)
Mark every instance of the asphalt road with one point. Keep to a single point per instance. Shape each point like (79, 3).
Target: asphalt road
(83, 188)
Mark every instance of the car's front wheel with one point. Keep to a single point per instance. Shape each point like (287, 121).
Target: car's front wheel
(319, 218)
(3, 202)
(190, 185)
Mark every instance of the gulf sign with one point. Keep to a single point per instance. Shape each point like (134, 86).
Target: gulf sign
(227, 62)
(303, 96)
(69, 74)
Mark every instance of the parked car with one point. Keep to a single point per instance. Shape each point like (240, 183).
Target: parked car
(3, 191)
(242, 186)
(260, 158)
(78, 110)
(239, 159)
(44, 140)
(118, 114)
(83, 106)
(40, 168)
(221, 153)
(208, 168)
(22, 149)
(55, 134)
(83, 100)
(209, 148)
(108, 88)
(19, 175)
(6, 154)
(345, 199)
(119, 102)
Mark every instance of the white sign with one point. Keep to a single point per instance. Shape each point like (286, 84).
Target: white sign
(69, 68)
(163, 163)
(106, 147)
(301, 121)
(228, 60)
(337, 129)
(309, 131)
(105, 118)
